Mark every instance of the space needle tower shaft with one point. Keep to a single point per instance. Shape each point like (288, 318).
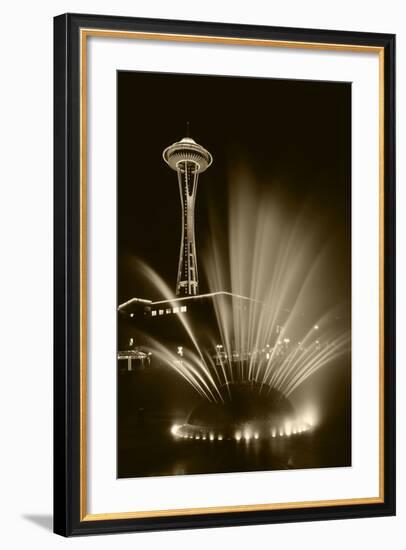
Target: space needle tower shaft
(188, 159)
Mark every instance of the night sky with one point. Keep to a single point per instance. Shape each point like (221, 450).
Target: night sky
(294, 135)
(293, 139)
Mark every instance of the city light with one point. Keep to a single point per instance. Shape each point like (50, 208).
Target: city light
(175, 429)
(291, 427)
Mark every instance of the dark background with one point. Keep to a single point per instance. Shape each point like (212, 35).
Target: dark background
(294, 135)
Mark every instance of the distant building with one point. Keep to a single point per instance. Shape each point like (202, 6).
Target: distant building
(165, 320)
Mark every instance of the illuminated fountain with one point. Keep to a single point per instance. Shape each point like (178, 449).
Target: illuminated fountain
(249, 363)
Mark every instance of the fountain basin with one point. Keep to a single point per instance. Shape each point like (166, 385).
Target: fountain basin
(250, 411)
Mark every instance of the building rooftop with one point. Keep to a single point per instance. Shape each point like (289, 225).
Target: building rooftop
(134, 302)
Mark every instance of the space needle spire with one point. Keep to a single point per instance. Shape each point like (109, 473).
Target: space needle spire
(188, 159)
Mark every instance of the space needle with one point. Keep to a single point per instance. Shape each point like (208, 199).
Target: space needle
(188, 159)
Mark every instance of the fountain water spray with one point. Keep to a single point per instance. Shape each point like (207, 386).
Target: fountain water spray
(269, 342)
(280, 325)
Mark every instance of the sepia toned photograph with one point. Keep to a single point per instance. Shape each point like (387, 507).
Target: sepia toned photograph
(233, 274)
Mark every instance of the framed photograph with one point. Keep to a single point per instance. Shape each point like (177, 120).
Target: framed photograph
(224, 274)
